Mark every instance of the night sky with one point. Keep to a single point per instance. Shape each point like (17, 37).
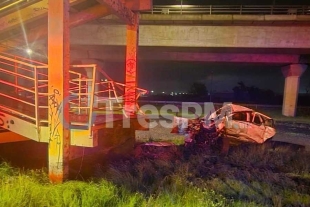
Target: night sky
(178, 76)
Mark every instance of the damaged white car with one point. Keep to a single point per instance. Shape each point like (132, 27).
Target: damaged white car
(233, 122)
(241, 124)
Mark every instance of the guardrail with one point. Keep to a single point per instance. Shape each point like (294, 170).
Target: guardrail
(232, 9)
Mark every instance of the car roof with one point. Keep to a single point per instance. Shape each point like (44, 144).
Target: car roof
(264, 115)
(236, 108)
(233, 108)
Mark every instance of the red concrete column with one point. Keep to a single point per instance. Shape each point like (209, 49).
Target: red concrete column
(58, 89)
(131, 67)
(292, 74)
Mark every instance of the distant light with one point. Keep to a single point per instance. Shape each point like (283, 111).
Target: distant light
(105, 79)
(163, 92)
(152, 91)
(183, 93)
(29, 51)
(179, 6)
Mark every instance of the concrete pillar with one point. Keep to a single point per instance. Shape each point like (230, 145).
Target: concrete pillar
(131, 66)
(292, 74)
(58, 89)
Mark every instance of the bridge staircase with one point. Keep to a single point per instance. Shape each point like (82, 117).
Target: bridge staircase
(25, 101)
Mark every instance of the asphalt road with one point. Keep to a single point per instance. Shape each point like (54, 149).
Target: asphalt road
(296, 133)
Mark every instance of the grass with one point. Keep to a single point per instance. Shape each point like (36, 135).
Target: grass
(33, 189)
(251, 175)
(28, 190)
(248, 176)
(302, 115)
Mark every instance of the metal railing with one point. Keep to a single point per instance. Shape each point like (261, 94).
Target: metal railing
(82, 90)
(81, 94)
(110, 95)
(24, 91)
(231, 9)
(20, 86)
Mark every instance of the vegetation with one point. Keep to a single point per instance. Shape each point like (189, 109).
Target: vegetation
(198, 89)
(302, 114)
(253, 94)
(251, 175)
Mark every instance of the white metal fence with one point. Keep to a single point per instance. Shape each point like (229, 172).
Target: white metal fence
(232, 9)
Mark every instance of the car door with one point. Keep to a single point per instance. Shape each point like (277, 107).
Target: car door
(237, 126)
(256, 129)
(270, 131)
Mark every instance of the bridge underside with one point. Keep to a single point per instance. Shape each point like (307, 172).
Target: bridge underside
(270, 56)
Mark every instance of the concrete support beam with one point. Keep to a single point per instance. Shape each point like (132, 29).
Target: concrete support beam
(58, 89)
(190, 56)
(292, 74)
(88, 15)
(41, 31)
(131, 67)
(226, 57)
(139, 5)
(295, 37)
(120, 10)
